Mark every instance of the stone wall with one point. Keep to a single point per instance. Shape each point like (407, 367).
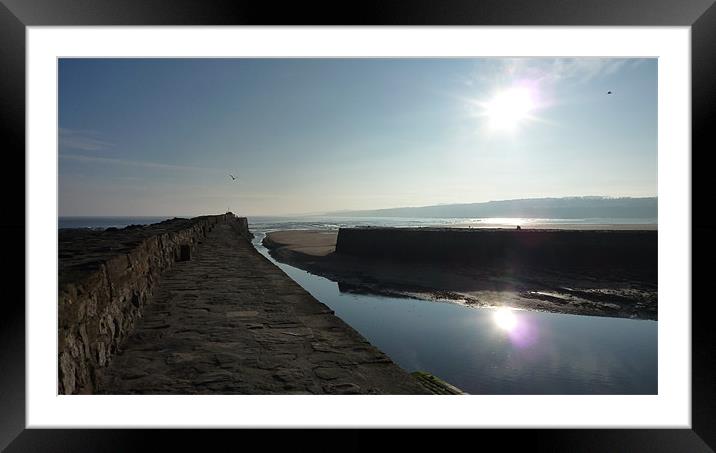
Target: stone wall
(512, 248)
(106, 278)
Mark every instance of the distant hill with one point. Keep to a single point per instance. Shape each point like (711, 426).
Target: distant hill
(553, 208)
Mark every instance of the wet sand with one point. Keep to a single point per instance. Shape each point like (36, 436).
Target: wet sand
(615, 292)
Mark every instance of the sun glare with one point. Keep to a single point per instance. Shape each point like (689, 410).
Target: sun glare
(509, 108)
(505, 319)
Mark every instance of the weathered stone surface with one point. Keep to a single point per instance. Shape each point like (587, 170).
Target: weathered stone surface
(228, 321)
(106, 279)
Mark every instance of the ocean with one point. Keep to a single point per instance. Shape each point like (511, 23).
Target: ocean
(266, 223)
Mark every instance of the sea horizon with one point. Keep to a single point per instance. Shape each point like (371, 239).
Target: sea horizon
(334, 222)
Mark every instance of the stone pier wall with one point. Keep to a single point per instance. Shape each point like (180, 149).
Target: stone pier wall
(106, 278)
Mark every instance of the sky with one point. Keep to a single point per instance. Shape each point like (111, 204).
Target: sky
(308, 136)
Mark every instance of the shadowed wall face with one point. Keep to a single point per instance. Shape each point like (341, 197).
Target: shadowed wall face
(510, 248)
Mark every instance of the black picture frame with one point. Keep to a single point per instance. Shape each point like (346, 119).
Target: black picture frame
(16, 15)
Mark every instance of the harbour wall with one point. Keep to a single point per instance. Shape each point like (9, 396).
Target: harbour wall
(105, 280)
(501, 247)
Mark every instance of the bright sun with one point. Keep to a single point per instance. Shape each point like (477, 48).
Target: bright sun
(509, 108)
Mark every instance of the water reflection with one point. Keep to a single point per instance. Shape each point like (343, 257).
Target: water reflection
(519, 328)
(505, 319)
(499, 350)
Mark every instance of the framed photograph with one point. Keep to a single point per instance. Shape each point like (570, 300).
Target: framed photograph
(470, 216)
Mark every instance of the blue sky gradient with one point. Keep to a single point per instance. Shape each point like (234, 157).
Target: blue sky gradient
(159, 136)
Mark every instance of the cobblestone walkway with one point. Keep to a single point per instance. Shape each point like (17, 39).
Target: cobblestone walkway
(230, 322)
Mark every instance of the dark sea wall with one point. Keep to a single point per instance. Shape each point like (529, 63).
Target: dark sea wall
(106, 278)
(510, 248)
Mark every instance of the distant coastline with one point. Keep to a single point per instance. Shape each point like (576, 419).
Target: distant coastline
(535, 208)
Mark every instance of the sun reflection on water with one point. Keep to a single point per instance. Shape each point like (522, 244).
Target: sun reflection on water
(520, 329)
(507, 220)
(505, 319)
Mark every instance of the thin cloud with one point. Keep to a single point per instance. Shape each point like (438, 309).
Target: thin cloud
(549, 71)
(133, 163)
(82, 140)
(582, 70)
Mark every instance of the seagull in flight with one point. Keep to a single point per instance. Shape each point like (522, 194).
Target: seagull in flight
(233, 178)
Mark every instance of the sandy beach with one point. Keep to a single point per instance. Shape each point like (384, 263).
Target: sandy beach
(614, 292)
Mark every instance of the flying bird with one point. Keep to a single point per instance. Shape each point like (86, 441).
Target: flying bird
(609, 92)
(233, 178)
